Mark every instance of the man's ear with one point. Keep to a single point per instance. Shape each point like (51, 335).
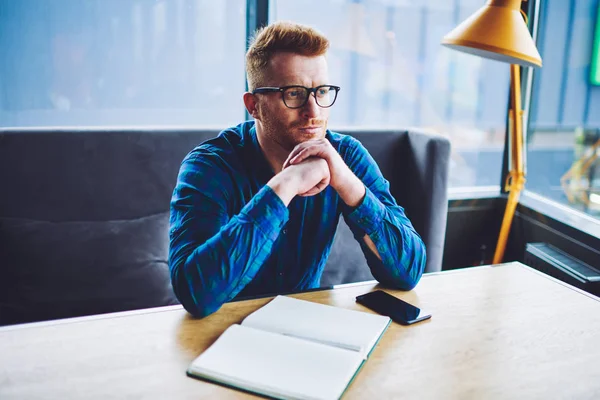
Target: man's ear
(251, 104)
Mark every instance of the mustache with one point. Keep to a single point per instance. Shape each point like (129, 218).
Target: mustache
(311, 123)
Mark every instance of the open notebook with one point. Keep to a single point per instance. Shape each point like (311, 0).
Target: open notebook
(292, 349)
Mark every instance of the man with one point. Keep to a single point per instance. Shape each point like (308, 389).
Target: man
(255, 210)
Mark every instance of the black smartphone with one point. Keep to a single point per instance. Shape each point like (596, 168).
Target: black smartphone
(398, 310)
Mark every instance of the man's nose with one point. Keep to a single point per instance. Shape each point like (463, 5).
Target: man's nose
(311, 109)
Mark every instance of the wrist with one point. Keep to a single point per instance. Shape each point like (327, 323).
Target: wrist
(351, 190)
(284, 187)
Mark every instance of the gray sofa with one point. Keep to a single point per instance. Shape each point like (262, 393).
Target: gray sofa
(84, 215)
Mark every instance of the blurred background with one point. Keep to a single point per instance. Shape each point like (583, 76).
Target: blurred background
(151, 63)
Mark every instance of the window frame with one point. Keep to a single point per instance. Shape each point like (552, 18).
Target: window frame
(586, 225)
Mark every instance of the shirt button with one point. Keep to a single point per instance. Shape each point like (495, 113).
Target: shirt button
(284, 231)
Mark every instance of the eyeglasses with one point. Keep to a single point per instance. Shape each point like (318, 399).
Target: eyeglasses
(297, 96)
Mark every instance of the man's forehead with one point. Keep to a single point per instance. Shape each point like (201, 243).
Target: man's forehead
(295, 68)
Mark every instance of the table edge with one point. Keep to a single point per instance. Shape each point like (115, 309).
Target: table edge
(152, 310)
(565, 284)
(122, 314)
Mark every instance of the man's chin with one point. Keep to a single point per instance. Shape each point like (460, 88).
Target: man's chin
(312, 133)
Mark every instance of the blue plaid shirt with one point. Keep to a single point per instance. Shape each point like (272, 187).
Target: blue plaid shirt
(231, 235)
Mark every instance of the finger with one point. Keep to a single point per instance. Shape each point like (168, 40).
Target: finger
(312, 192)
(290, 156)
(325, 182)
(298, 158)
(318, 188)
(294, 152)
(313, 151)
(286, 163)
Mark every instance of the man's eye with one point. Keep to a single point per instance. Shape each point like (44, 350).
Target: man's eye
(293, 93)
(323, 92)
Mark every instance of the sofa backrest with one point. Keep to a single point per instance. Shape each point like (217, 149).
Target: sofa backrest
(416, 165)
(84, 215)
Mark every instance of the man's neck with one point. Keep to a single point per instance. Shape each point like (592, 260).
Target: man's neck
(273, 152)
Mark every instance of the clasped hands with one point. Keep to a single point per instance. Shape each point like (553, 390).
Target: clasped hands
(315, 164)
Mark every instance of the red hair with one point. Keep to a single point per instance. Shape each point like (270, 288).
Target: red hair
(280, 36)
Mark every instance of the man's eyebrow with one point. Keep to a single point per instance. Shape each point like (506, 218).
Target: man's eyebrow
(306, 86)
(292, 83)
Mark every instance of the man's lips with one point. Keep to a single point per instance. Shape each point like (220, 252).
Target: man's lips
(314, 128)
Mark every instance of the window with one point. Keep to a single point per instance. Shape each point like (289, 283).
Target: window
(564, 119)
(386, 56)
(181, 62)
(122, 62)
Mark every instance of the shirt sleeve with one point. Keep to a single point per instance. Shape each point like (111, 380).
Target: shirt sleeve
(402, 250)
(213, 254)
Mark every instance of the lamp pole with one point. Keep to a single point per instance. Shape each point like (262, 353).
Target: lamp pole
(515, 181)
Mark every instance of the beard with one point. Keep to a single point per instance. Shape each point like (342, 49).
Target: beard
(289, 135)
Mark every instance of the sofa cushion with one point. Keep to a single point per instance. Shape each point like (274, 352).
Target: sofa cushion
(346, 262)
(64, 269)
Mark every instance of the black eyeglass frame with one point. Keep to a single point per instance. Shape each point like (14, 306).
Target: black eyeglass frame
(282, 89)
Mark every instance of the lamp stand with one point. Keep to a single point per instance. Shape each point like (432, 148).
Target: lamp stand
(515, 181)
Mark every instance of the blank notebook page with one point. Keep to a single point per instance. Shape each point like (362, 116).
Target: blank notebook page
(276, 365)
(350, 329)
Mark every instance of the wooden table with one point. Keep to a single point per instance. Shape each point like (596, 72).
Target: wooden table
(503, 331)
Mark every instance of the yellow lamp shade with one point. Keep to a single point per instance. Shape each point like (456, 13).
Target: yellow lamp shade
(497, 31)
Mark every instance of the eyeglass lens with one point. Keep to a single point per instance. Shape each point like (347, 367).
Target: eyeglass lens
(297, 96)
